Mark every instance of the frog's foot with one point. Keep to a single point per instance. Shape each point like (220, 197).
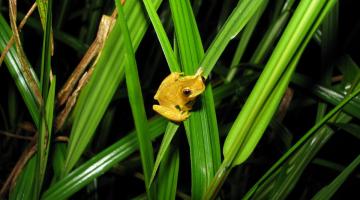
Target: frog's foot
(171, 114)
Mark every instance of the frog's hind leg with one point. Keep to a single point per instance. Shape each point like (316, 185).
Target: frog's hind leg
(171, 114)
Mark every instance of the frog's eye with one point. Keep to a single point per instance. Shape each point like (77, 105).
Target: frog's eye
(187, 92)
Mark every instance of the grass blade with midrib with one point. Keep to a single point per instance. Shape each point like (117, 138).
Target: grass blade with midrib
(137, 104)
(201, 127)
(107, 75)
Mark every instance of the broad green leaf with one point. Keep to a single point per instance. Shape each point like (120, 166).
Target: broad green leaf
(102, 162)
(108, 73)
(137, 103)
(328, 191)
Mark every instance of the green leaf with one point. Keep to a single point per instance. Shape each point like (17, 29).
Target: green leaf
(13, 64)
(280, 182)
(137, 103)
(244, 41)
(242, 139)
(233, 25)
(47, 108)
(161, 34)
(108, 73)
(270, 37)
(328, 191)
(43, 8)
(329, 95)
(168, 174)
(24, 190)
(289, 43)
(101, 162)
(301, 141)
(351, 128)
(201, 127)
(165, 143)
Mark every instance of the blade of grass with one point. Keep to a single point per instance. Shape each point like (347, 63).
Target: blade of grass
(233, 25)
(25, 65)
(165, 143)
(107, 75)
(168, 174)
(292, 38)
(201, 127)
(174, 67)
(42, 8)
(244, 41)
(58, 161)
(102, 162)
(137, 103)
(271, 102)
(328, 191)
(305, 138)
(281, 182)
(161, 34)
(351, 128)
(22, 189)
(47, 108)
(13, 64)
(106, 159)
(45, 133)
(289, 44)
(267, 42)
(329, 95)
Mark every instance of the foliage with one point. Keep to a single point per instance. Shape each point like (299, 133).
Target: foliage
(279, 118)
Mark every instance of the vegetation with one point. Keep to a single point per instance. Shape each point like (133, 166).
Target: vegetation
(279, 118)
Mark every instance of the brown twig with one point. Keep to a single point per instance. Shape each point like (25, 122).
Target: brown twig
(12, 135)
(62, 139)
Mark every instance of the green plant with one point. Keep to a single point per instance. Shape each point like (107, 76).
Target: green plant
(255, 55)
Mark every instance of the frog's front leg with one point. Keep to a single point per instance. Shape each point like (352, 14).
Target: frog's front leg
(171, 113)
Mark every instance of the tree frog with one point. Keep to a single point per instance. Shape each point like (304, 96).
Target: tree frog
(176, 95)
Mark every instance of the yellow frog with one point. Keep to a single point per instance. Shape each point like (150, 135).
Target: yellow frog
(177, 93)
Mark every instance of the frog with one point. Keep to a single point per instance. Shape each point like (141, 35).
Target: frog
(177, 93)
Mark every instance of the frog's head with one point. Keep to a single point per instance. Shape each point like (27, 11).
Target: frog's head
(194, 87)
